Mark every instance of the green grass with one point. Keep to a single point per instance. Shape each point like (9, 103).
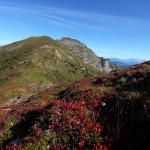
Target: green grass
(39, 60)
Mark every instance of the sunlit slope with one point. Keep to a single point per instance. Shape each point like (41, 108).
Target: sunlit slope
(39, 60)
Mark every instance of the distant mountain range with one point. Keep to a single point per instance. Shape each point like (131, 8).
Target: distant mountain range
(126, 62)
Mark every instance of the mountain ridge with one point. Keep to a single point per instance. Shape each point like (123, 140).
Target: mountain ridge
(97, 111)
(38, 60)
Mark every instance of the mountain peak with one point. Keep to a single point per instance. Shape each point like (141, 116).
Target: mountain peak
(72, 43)
(39, 37)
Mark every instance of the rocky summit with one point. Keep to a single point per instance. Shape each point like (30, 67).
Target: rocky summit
(87, 55)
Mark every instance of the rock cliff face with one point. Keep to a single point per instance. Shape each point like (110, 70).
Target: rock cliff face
(107, 65)
(87, 55)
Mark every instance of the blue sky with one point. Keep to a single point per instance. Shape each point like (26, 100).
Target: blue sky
(112, 28)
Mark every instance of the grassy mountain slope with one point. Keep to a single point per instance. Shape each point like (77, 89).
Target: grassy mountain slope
(38, 60)
(104, 112)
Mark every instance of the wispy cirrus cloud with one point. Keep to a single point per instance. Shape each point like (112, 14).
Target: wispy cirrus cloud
(72, 18)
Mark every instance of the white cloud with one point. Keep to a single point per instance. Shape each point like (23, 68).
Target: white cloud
(72, 18)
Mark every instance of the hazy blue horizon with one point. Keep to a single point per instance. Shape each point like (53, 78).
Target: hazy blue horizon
(119, 29)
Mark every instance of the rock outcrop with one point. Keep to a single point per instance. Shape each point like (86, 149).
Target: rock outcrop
(107, 65)
(87, 55)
